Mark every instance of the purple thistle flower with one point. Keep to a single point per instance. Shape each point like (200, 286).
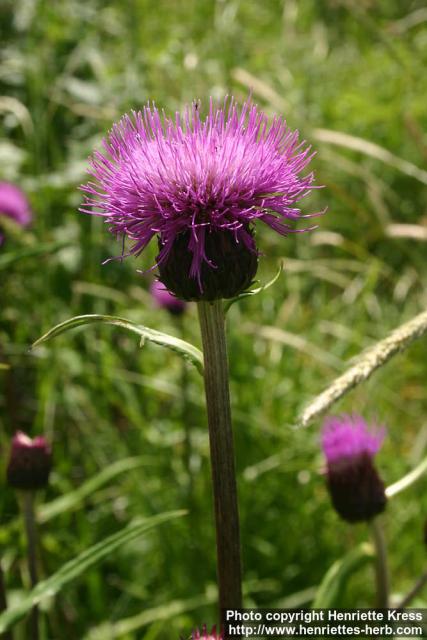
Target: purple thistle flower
(199, 185)
(350, 445)
(166, 300)
(30, 462)
(14, 205)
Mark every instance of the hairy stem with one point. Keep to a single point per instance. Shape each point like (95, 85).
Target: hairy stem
(381, 568)
(31, 535)
(212, 326)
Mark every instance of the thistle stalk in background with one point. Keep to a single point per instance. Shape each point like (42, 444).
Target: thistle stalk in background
(415, 591)
(420, 583)
(8, 635)
(27, 508)
(381, 564)
(28, 470)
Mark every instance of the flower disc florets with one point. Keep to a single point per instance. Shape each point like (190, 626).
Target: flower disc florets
(356, 489)
(191, 180)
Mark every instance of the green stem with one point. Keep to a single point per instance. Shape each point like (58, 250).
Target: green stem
(31, 535)
(7, 635)
(416, 589)
(212, 326)
(381, 568)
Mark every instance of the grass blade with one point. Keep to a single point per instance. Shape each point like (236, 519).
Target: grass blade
(75, 568)
(71, 499)
(372, 150)
(42, 249)
(336, 577)
(166, 611)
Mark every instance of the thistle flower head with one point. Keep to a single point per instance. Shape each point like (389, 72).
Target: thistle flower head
(30, 462)
(166, 300)
(200, 185)
(349, 437)
(14, 205)
(205, 635)
(350, 445)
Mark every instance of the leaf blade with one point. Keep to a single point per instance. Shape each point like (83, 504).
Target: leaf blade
(70, 500)
(186, 350)
(75, 567)
(337, 575)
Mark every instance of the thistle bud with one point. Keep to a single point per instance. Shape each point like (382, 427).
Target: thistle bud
(229, 267)
(166, 300)
(30, 462)
(356, 489)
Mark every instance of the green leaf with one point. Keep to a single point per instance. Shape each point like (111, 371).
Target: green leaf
(336, 578)
(184, 349)
(254, 292)
(70, 500)
(76, 567)
(42, 249)
(167, 611)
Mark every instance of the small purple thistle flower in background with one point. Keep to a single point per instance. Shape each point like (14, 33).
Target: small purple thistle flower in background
(199, 186)
(14, 204)
(30, 462)
(166, 300)
(350, 445)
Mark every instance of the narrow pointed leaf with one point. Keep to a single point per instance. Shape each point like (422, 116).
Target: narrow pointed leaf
(42, 249)
(184, 349)
(166, 611)
(72, 499)
(337, 576)
(253, 292)
(76, 567)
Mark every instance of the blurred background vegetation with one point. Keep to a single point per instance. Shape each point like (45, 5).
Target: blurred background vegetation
(351, 76)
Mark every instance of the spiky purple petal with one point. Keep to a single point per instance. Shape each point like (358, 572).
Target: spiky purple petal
(349, 436)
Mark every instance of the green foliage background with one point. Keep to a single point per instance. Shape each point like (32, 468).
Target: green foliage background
(67, 71)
